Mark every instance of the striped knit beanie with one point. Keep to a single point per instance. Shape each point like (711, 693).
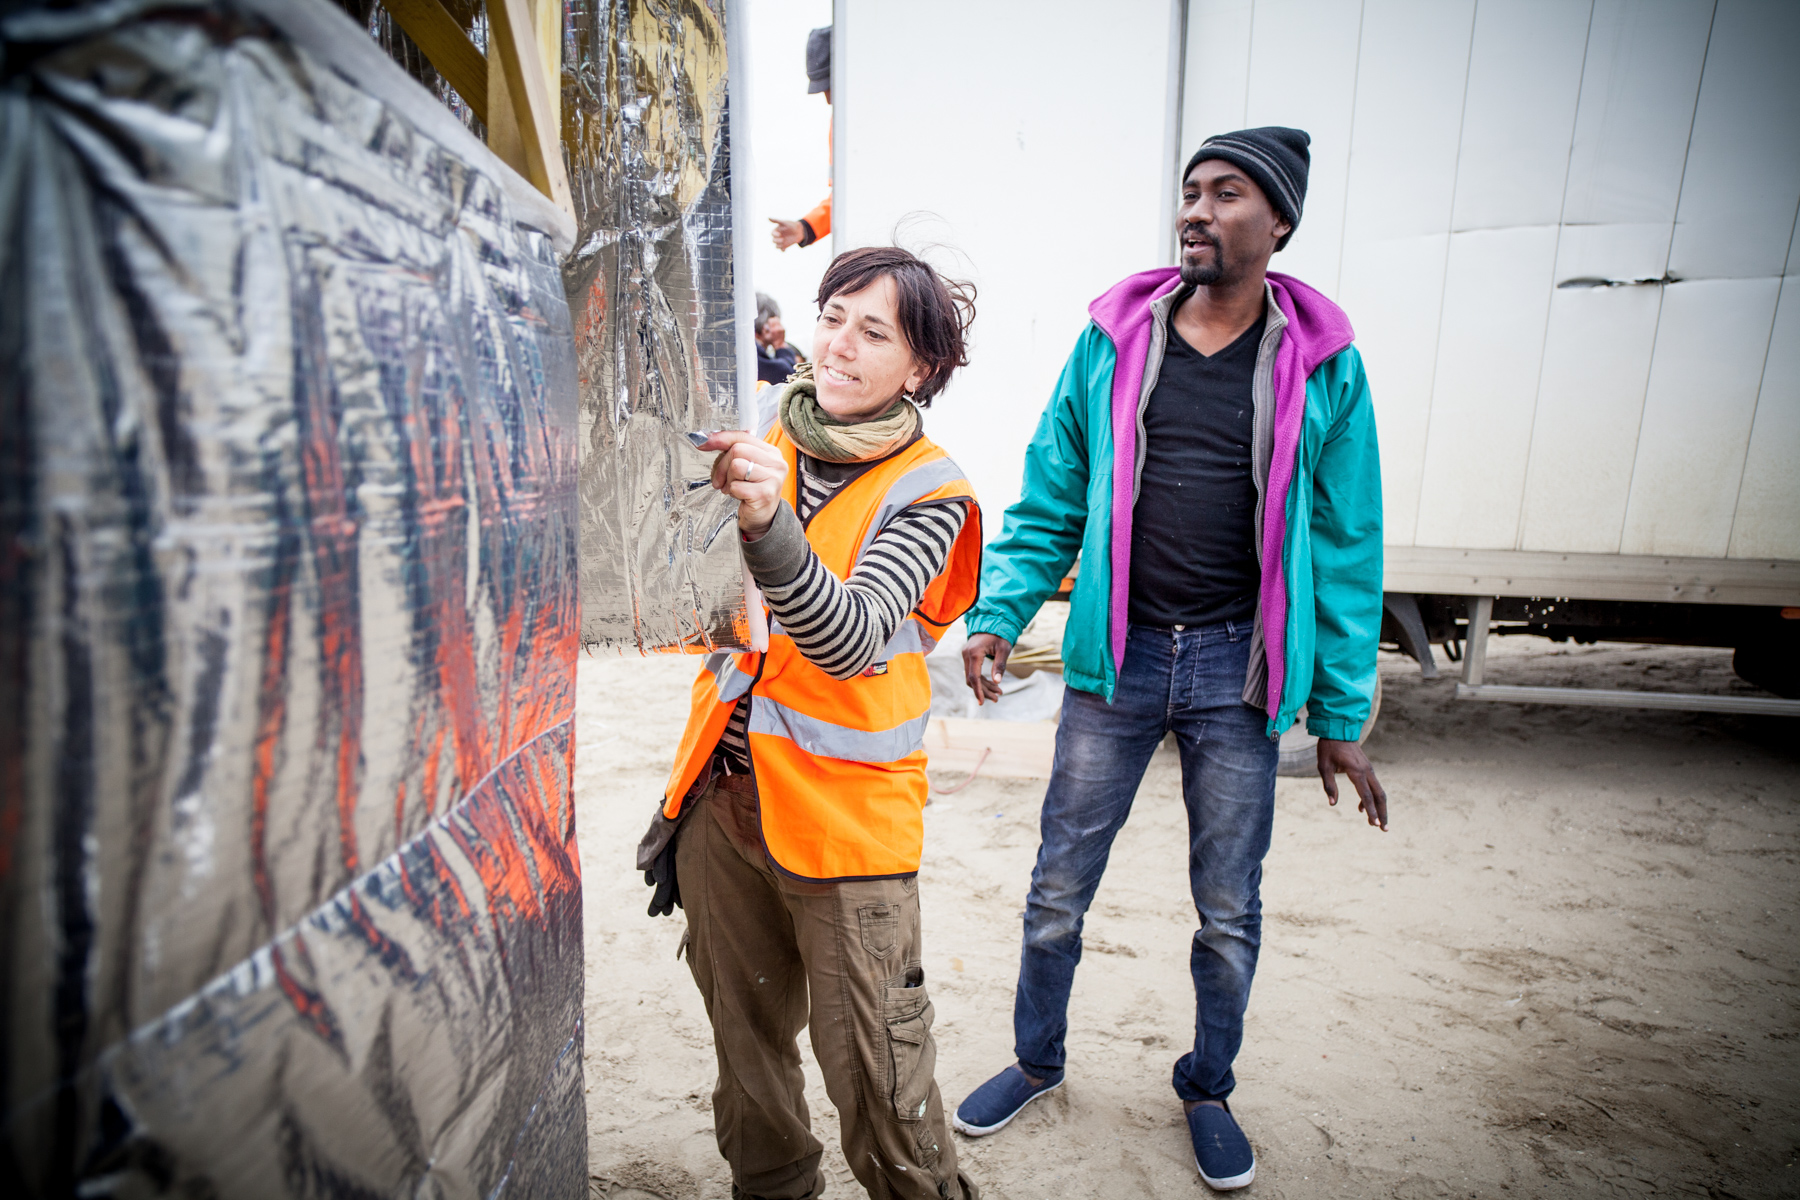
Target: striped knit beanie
(1275, 157)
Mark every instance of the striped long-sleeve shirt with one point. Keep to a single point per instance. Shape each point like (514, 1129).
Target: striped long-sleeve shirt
(841, 625)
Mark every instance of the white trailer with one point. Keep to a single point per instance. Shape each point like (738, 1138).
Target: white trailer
(1563, 230)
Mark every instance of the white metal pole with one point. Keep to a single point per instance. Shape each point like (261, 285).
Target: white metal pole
(1481, 612)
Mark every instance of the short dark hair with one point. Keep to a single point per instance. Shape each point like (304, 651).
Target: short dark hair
(935, 312)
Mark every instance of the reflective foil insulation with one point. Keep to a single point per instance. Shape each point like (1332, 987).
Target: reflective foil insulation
(289, 894)
(646, 134)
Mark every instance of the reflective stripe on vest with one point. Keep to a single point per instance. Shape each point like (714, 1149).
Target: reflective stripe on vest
(835, 741)
(732, 682)
(907, 491)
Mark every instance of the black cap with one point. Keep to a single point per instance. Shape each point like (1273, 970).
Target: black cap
(818, 60)
(1275, 156)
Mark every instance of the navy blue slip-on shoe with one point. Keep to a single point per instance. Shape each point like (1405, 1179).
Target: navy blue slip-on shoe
(1221, 1150)
(990, 1106)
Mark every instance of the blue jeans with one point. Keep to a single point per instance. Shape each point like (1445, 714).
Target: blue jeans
(1191, 681)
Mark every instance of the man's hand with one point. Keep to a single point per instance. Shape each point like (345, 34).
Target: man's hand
(786, 233)
(751, 470)
(976, 651)
(1349, 759)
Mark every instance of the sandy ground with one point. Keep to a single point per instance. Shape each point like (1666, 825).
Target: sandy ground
(1570, 968)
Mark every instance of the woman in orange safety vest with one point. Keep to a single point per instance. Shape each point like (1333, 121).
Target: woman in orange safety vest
(792, 825)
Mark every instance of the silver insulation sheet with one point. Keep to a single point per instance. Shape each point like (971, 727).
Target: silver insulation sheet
(646, 134)
(289, 893)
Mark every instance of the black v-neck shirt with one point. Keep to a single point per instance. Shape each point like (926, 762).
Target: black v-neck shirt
(1193, 529)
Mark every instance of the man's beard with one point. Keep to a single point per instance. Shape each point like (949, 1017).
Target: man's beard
(1204, 276)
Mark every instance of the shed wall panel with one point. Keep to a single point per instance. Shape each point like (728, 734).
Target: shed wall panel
(1215, 90)
(1519, 114)
(1411, 69)
(1303, 75)
(1496, 300)
(1640, 77)
(1590, 399)
(1767, 521)
(1698, 407)
(1639, 80)
(1742, 181)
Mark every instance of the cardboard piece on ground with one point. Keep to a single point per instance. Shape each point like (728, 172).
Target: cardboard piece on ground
(1016, 749)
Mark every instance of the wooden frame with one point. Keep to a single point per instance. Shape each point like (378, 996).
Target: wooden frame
(435, 32)
(511, 89)
(1426, 569)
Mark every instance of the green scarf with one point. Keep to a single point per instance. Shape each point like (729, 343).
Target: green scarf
(827, 438)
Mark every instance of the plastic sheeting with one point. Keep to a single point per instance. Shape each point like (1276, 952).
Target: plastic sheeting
(650, 285)
(289, 894)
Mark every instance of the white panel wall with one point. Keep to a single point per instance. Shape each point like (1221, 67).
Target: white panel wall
(1767, 522)
(1035, 144)
(1733, 227)
(1303, 75)
(1697, 415)
(1467, 158)
(1590, 399)
(1518, 123)
(1743, 166)
(1638, 87)
(1490, 346)
(1518, 118)
(1411, 69)
(1217, 89)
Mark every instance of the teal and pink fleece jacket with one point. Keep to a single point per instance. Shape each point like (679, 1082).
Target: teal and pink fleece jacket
(1318, 525)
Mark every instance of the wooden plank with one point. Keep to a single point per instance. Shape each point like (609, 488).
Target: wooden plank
(452, 54)
(1457, 572)
(530, 139)
(1004, 749)
(547, 16)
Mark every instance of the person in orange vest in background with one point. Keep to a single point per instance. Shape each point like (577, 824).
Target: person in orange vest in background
(817, 223)
(792, 825)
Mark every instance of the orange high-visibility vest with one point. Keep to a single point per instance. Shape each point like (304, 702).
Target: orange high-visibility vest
(840, 764)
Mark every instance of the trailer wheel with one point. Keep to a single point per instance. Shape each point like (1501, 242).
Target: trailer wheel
(1300, 749)
(1772, 664)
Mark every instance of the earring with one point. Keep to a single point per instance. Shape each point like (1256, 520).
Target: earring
(907, 396)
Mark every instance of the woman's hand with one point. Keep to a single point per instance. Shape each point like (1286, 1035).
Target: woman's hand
(751, 470)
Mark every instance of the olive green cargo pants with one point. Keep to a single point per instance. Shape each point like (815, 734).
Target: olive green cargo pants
(762, 944)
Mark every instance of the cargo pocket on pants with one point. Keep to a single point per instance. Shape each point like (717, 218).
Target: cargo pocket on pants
(880, 926)
(912, 1055)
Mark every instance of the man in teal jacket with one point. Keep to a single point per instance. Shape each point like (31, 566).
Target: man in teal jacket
(1210, 453)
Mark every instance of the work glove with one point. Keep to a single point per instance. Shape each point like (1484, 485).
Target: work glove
(661, 876)
(656, 858)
